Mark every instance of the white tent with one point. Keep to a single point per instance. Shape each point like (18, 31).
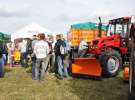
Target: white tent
(29, 30)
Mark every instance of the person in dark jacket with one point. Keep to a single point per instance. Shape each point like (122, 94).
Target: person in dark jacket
(2, 61)
(59, 57)
(5, 52)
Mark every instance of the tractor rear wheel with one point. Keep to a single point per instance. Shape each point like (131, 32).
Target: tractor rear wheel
(111, 62)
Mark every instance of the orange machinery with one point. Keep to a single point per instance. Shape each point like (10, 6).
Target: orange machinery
(86, 66)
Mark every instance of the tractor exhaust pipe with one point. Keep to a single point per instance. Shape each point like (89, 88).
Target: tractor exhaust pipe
(99, 27)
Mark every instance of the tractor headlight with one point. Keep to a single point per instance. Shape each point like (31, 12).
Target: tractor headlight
(123, 42)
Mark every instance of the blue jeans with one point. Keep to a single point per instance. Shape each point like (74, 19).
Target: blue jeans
(66, 65)
(62, 70)
(1, 67)
(55, 66)
(33, 68)
(23, 59)
(65, 71)
(40, 68)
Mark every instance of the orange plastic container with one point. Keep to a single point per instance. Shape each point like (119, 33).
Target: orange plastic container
(126, 74)
(17, 55)
(88, 35)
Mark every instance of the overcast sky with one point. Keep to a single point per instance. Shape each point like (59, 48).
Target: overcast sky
(58, 15)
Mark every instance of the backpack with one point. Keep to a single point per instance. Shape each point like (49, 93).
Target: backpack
(63, 50)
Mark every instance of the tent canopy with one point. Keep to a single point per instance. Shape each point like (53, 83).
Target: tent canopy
(4, 37)
(29, 30)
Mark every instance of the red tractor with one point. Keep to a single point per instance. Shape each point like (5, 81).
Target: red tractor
(111, 53)
(113, 50)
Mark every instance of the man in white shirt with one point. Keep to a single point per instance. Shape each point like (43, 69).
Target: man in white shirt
(82, 48)
(41, 50)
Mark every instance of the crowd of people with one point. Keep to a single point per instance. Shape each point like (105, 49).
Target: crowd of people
(43, 52)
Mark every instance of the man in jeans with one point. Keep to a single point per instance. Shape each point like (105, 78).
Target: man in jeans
(59, 57)
(41, 50)
(22, 47)
(2, 60)
(35, 39)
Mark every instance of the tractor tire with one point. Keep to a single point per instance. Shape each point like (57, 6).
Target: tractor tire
(111, 63)
(131, 93)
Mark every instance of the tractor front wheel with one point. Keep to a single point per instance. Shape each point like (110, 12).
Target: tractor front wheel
(111, 62)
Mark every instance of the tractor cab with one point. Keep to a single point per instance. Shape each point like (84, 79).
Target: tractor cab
(120, 26)
(117, 36)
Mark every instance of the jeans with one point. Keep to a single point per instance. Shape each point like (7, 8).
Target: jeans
(1, 67)
(33, 68)
(40, 68)
(5, 56)
(55, 67)
(66, 65)
(52, 63)
(48, 61)
(65, 71)
(62, 70)
(23, 59)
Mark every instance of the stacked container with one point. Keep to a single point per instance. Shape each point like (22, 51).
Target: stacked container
(88, 31)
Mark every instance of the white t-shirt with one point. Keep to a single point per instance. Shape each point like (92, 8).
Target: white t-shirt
(22, 46)
(41, 49)
(82, 45)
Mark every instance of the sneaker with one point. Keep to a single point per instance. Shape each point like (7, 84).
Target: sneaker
(65, 76)
(59, 77)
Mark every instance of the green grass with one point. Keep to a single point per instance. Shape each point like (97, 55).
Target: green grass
(18, 85)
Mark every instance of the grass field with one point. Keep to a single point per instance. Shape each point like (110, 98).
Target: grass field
(18, 85)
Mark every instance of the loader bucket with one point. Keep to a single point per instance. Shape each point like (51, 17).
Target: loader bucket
(86, 66)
